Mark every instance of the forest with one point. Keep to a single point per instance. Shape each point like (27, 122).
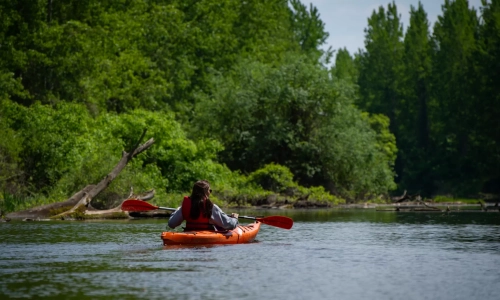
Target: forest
(242, 93)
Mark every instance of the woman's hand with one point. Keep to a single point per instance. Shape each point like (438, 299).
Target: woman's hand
(234, 215)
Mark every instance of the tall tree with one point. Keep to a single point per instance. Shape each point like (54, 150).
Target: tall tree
(309, 30)
(486, 85)
(19, 21)
(454, 114)
(413, 140)
(381, 67)
(345, 67)
(381, 63)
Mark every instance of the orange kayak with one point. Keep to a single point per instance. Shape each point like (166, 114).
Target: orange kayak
(240, 235)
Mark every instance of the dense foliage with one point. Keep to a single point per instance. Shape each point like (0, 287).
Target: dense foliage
(237, 92)
(440, 91)
(80, 80)
(297, 116)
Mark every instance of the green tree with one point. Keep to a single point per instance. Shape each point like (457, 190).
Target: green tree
(52, 141)
(345, 67)
(180, 160)
(357, 154)
(414, 138)
(19, 20)
(381, 68)
(10, 150)
(487, 110)
(309, 30)
(454, 101)
(381, 64)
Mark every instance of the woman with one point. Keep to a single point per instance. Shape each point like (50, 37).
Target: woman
(200, 213)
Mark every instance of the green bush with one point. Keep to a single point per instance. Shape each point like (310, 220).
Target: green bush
(319, 194)
(273, 177)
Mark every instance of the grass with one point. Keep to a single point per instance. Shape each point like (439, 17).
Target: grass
(445, 199)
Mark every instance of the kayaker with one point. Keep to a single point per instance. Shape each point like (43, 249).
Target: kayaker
(200, 213)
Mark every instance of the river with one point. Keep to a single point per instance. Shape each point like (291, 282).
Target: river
(332, 254)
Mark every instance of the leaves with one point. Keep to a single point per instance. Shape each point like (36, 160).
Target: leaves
(293, 115)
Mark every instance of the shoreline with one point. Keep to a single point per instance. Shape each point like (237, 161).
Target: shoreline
(446, 207)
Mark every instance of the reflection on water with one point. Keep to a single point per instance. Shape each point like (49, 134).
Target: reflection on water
(341, 254)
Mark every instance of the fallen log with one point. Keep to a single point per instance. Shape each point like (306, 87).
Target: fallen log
(400, 198)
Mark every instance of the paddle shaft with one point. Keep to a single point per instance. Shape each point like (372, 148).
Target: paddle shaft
(249, 218)
(167, 208)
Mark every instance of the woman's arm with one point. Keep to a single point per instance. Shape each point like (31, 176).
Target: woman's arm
(175, 218)
(220, 219)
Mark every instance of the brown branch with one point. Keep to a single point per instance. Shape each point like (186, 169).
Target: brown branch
(400, 198)
(419, 199)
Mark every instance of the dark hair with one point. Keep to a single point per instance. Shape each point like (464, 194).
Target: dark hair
(200, 201)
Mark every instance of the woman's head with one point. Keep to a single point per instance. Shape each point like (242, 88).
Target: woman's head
(201, 189)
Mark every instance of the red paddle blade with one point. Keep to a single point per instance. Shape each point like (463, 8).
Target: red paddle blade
(137, 205)
(277, 221)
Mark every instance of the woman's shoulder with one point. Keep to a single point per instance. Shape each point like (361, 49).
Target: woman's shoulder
(217, 210)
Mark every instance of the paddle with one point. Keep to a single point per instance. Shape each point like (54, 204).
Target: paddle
(139, 205)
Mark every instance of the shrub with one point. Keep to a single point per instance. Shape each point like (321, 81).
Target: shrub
(273, 177)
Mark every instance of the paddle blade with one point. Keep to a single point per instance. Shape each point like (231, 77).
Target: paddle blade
(137, 205)
(277, 221)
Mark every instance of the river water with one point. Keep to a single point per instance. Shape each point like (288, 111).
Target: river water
(333, 254)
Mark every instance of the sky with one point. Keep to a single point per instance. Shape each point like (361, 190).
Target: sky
(345, 20)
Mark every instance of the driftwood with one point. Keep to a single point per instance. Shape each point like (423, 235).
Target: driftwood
(401, 198)
(416, 198)
(405, 197)
(419, 199)
(485, 207)
(80, 202)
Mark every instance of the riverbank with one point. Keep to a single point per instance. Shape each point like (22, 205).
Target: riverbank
(418, 206)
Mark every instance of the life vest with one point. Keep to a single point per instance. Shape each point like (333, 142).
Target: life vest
(201, 223)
